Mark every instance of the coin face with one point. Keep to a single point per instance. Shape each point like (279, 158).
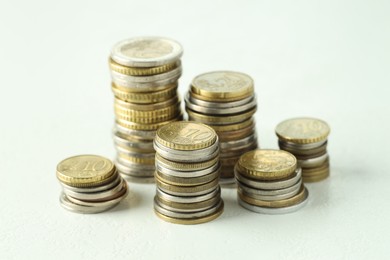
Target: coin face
(267, 164)
(302, 130)
(186, 136)
(146, 52)
(223, 85)
(84, 169)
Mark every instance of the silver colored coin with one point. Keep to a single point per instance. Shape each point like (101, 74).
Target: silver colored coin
(133, 165)
(147, 79)
(270, 185)
(189, 199)
(126, 152)
(146, 86)
(205, 151)
(146, 51)
(92, 189)
(184, 166)
(185, 194)
(198, 214)
(269, 193)
(274, 211)
(120, 140)
(303, 152)
(187, 174)
(270, 198)
(68, 205)
(219, 111)
(313, 162)
(302, 146)
(139, 134)
(96, 195)
(170, 208)
(240, 143)
(220, 105)
(137, 179)
(134, 171)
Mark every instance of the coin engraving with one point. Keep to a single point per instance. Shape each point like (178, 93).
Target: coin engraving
(222, 81)
(147, 48)
(84, 166)
(268, 161)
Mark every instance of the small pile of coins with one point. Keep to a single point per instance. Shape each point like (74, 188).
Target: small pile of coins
(225, 101)
(306, 138)
(187, 173)
(145, 73)
(90, 184)
(270, 182)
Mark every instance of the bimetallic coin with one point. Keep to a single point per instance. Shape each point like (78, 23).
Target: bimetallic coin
(221, 120)
(185, 167)
(187, 207)
(142, 71)
(146, 52)
(144, 97)
(269, 193)
(132, 144)
(68, 205)
(134, 166)
(303, 130)
(313, 162)
(111, 183)
(238, 142)
(146, 127)
(185, 153)
(221, 104)
(145, 86)
(136, 134)
(187, 174)
(135, 172)
(146, 79)
(299, 147)
(186, 190)
(138, 179)
(278, 197)
(186, 181)
(189, 199)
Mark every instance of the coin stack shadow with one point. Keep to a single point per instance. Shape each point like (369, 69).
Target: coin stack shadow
(187, 175)
(81, 193)
(146, 98)
(266, 185)
(225, 100)
(306, 139)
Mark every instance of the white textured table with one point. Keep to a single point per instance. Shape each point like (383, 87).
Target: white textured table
(328, 59)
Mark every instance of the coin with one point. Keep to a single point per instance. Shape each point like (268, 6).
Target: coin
(220, 120)
(195, 190)
(187, 181)
(145, 71)
(185, 167)
(145, 97)
(187, 207)
(216, 193)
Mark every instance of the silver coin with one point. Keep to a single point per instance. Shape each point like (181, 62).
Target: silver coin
(219, 111)
(146, 51)
(294, 188)
(146, 79)
(68, 205)
(134, 171)
(274, 211)
(189, 199)
(198, 214)
(220, 105)
(313, 162)
(302, 146)
(92, 189)
(303, 152)
(187, 194)
(125, 152)
(139, 134)
(146, 86)
(138, 179)
(269, 185)
(244, 142)
(205, 151)
(269, 198)
(187, 174)
(170, 208)
(120, 140)
(133, 165)
(95, 195)
(184, 166)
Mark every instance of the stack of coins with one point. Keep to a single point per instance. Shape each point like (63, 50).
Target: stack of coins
(145, 73)
(187, 171)
(270, 182)
(90, 184)
(306, 138)
(225, 101)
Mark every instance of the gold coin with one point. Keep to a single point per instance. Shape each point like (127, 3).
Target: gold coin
(165, 111)
(267, 164)
(148, 120)
(141, 71)
(185, 166)
(186, 189)
(217, 120)
(186, 136)
(146, 127)
(189, 206)
(232, 127)
(315, 171)
(222, 85)
(302, 130)
(274, 203)
(85, 170)
(138, 160)
(227, 136)
(146, 107)
(315, 178)
(145, 97)
(192, 221)
(182, 181)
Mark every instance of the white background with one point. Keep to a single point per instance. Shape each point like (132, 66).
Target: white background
(327, 59)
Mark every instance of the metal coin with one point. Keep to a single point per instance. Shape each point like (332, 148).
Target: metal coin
(271, 197)
(187, 174)
(220, 105)
(186, 181)
(136, 134)
(187, 207)
(68, 205)
(185, 167)
(269, 193)
(189, 199)
(313, 162)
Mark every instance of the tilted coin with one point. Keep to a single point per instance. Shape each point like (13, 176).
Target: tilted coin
(142, 71)
(146, 79)
(68, 205)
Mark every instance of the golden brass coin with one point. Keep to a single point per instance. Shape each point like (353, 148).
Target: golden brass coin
(222, 85)
(85, 170)
(192, 221)
(166, 111)
(274, 203)
(316, 178)
(142, 71)
(186, 136)
(181, 181)
(185, 189)
(220, 120)
(145, 97)
(147, 120)
(229, 161)
(185, 166)
(226, 136)
(232, 127)
(316, 171)
(267, 164)
(146, 127)
(303, 130)
(138, 160)
(138, 108)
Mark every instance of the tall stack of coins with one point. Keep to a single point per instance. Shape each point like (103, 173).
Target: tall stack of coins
(187, 171)
(270, 182)
(306, 138)
(145, 73)
(90, 184)
(225, 101)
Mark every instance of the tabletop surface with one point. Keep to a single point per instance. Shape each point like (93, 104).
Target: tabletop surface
(326, 59)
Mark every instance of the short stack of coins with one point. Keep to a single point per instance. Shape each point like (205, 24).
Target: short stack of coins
(90, 184)
(270, 182)
(225, 101)
(306, 138)
(187, 173)
(145, 73)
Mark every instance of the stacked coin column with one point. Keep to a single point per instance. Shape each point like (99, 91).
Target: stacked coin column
(187, 171)
(225, 101)
(269, 182)
(306, 138)
(145, 73)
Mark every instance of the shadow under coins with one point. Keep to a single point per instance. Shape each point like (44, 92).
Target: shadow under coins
(132, 200)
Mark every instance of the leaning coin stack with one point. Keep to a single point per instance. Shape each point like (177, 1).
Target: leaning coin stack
(306, 138)
(145, 73)
(225, 101)
(187, 173)
(90, 184)
(270, 182)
